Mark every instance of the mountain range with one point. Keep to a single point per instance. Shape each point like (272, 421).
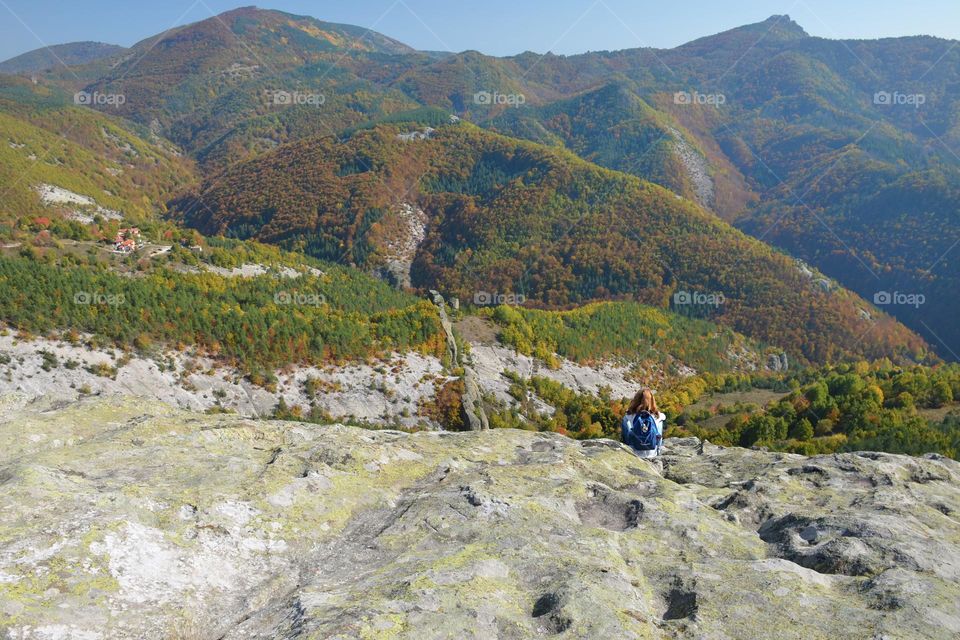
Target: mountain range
(808, 183)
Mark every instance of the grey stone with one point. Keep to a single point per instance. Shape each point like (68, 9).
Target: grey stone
(125, 518)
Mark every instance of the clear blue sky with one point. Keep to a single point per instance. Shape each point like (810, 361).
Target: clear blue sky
(497, 27)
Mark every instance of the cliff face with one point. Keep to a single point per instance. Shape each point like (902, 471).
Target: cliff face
(126, 519)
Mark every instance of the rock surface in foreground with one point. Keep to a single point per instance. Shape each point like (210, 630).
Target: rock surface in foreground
(127, 519)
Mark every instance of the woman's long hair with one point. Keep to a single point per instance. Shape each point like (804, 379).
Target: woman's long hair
(643, 401)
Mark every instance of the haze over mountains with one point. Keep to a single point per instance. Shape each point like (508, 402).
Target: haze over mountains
(73, 53)
(840, 153)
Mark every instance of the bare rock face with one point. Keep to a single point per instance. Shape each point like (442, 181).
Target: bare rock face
(129, 519)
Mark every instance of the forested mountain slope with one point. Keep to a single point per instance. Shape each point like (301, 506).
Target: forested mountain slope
(841, 152)
(61, 163)
(505, 216)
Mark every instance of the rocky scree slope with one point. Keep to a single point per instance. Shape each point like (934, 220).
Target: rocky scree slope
(130, 519)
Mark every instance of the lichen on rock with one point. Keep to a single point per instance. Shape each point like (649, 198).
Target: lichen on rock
(129, 519)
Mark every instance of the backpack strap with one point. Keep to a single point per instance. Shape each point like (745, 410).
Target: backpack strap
(626, 426)
(662, 426)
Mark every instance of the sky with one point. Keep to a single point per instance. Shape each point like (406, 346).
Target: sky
(495, 27)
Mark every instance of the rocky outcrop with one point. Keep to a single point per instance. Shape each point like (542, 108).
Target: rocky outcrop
(389, 391)
(697, 168)
(130, 519)
(492, 360)
(400, 249)
(778, 362)
(471, 402)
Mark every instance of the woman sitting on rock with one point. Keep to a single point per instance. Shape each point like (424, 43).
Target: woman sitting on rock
(642, 427)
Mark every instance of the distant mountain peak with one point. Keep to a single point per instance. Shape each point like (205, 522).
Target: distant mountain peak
(783, 26)
(773, 29)
(274, 38)
(250, 8)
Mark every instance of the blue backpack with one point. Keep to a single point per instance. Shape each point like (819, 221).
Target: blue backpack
(642, 433)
